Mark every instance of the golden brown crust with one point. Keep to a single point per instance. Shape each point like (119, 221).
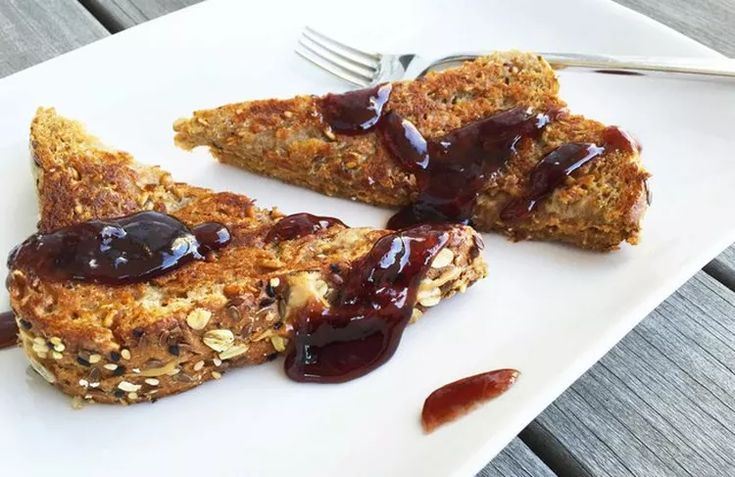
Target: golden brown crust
(598, 208)
(143, 341)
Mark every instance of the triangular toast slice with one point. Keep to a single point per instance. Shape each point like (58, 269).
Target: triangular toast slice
(141, 341)
(598, 206)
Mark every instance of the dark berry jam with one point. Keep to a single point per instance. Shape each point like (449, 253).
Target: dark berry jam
(616, 138)
(8, 329)
(295, 226)
(363, 326)
(405, 143)
(459, 163)
(118, 251)
(458, 398)
(549, 174)
(356, 111)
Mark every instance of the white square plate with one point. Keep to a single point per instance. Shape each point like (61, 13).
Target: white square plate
(549, 310)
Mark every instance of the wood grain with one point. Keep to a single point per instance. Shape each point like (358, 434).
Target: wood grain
(710, 22)
(32, 31)
(516, 460)
(723, 267)
(118, 15)
(661, 402)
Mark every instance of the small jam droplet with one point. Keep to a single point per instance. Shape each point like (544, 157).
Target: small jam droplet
(364, 325)
(356, 111)
(295, 226)
(458, 398)
(617, 138)
(118, 251)
(405, 142)
(8, 329)
(459, 164)
(549, 174)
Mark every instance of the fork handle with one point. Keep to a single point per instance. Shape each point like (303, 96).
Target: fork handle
(698, 66)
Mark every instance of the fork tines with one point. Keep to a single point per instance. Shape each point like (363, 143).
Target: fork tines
(353, 65)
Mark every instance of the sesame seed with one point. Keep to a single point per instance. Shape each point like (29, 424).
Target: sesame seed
(136, 370)
(59, 347)
(84, 383)
(198, 365)
(56, 355)
(39, 340)
(125, 354)
(55, 340)
(94, 358)
(110, 366)
(274, 282)
(132, 396)
(94, 385)
(217, 361)
(216, 375)
(152, 382)
(174, 372)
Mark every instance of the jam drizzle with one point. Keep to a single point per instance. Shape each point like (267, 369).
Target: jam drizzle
(549, 174)
(458, 164)
(118, 251)
(356, 111)
(460, 397)
(295, 226)
(8, 329)
(364, 325)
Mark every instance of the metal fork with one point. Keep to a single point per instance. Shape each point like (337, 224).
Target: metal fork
(364, 68)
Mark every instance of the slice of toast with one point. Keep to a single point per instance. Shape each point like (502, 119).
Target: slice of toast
(598, 207)
(139, 342)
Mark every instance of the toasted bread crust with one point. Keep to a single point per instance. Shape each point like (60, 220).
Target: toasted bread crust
(598, 208)
(132, 343)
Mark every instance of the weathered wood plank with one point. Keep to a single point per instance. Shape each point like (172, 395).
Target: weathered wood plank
(723, 267)
(708, 21)
(32, 31)
(118, 15)
(662, 402)
(516, 460)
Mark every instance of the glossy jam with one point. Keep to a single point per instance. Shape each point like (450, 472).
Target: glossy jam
(298, 225)
(549, 174)
(8, 329)
(616, 138)
(356, 111)
(459, 163)
(124, 250)
(458, 398)
(363, 326)
(405, 142)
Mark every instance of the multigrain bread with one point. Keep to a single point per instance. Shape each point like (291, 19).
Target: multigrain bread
(598, 207)
(140, 342)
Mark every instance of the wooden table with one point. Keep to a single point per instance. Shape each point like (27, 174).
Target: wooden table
(662, 402)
